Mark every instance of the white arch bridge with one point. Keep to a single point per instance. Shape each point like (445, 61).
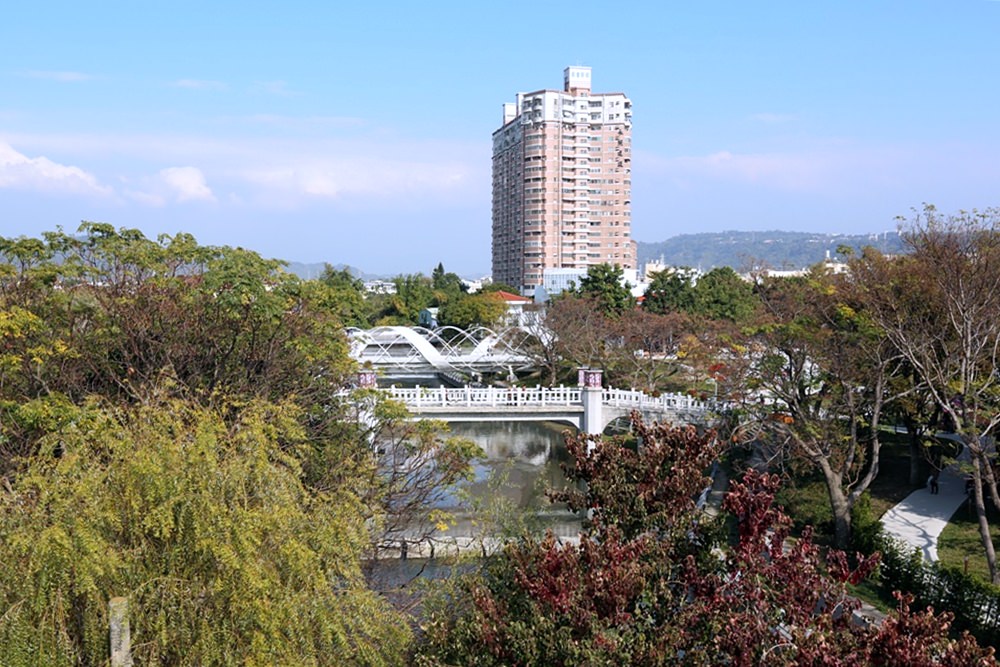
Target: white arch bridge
(395, 349)
(589, 409)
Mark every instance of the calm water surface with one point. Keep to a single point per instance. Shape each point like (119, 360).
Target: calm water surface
(522, 460)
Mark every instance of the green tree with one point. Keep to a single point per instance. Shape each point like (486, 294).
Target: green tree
(721, 294)
(126, 309)
(605, 285)
(205, 526)
(347, 297)
(499, 287)
(827, 369)
(126, 365)
(939, 305)
(670, 291)
(111, 313)
(471, 310)
(447, 286)
(414, 292)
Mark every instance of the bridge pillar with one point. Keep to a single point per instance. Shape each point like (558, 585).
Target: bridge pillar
(367, 379)
(591, 393)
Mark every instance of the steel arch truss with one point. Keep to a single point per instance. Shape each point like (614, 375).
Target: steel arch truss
(445, 349)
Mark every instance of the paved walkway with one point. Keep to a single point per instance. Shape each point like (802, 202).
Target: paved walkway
(919, 519)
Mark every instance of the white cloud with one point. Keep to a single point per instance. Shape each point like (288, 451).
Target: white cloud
(174, 184)
(40, 174)
(62, 77)
(377, 177)
(187, 183)
(200, 84)
(286, 171)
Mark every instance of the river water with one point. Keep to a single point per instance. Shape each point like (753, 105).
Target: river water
(522, 460)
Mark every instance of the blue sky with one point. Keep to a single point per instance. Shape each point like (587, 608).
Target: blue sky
(359, 133)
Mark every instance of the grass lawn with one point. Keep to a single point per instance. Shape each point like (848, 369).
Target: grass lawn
(960, 539)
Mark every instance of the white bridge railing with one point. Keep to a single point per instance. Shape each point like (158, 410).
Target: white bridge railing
(541, 397)
(632, 399)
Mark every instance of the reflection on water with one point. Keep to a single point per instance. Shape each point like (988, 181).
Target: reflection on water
(526, 456)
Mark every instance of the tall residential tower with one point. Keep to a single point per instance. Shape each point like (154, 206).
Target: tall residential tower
(562, 183)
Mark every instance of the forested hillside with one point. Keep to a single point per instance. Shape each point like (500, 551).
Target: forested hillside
(778, 250)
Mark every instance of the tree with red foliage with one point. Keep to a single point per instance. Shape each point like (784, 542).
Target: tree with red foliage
(655, 581)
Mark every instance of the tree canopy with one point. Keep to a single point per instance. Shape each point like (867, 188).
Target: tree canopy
(605, 285)
(113, 313)
(939, 306)
(227, 558)
(654, 582)
(670, 291)
(172, 431)
(471, 310)
(827, 371)
(720, 294)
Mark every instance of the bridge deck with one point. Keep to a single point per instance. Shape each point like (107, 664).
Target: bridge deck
(565, 404)
(476, 397)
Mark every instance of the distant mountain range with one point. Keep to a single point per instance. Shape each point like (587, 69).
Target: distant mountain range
(315, 270)
(776, 250)
(740, 250)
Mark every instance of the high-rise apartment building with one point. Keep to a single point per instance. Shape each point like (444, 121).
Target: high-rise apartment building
(562, 182)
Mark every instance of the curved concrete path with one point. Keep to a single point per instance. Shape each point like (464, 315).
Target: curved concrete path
(918, 520)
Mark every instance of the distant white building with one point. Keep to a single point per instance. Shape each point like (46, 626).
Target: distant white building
(830, 264)
(555, 281)
(473, 286)
(380, 287)
(652, 267)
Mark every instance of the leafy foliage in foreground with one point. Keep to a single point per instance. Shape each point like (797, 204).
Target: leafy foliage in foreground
(653, 582)
(169, 434)
(205, 525)
(111, 313)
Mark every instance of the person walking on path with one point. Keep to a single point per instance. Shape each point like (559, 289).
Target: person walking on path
(932, 482)
(917, 520)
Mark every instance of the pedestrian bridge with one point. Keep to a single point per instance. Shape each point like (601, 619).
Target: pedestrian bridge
(589, 409)
(401, 350)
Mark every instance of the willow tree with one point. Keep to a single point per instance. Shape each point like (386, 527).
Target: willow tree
(939, 305)
(205, 525)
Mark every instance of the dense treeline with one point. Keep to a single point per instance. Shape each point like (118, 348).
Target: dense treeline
(172, 432)
(413, 293)
(813, 366)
